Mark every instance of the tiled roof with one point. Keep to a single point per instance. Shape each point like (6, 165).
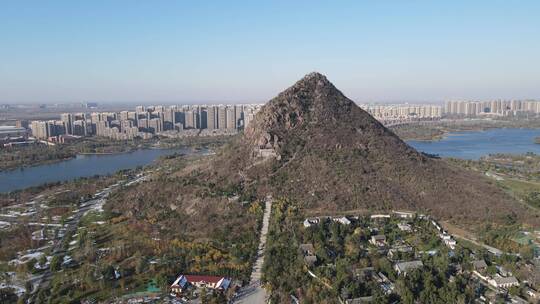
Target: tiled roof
(203, 278)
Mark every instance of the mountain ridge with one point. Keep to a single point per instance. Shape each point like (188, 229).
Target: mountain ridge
(312, 144)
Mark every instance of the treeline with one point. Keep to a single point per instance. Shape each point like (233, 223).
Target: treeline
(36, 154)
(283, 269)
(11, 158)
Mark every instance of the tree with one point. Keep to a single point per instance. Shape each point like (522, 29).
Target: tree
(141, 265)
(30, 265)
(42, 260)
(352, 247)
(82, 238)
(29, 287)
(161, 281)
(429, 292)
(56, 263)
(533, 198)
(217, 298)
(22, 300)
(407, 296)
(527, 252)
(204, 296)
(41, 297)
(514, 290)
(108, 273)
(7, 295)
(492, 270)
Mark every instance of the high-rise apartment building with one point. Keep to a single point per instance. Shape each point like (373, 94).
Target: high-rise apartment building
(67, 119)
(494, 107)
(39, 129)
(211, 121)
(230, 117)
(222, 117)
(155, 125)
(190, 119)
(146, 121)
(79, 128)
(239, 116)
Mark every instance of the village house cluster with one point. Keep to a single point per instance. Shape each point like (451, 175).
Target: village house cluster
(394, 237)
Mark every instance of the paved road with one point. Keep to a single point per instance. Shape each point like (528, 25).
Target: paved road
(71, 227)
(73, 223)
(254, 293)
(492, 250)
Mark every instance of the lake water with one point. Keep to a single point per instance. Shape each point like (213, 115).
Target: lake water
(473, 145)
(81, 166)
(466, 145)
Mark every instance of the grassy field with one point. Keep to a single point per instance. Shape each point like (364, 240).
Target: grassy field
(521, 190)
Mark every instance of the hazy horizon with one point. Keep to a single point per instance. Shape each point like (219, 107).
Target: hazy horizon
(166, 52)
(165, 103)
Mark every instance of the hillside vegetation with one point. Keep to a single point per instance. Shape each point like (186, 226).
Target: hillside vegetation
(314, 145)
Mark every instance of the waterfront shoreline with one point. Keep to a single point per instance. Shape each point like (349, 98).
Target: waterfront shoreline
(475, 144)
(443, 129)
(91, 165)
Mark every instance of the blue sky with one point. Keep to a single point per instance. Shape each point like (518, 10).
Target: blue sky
(206, 51)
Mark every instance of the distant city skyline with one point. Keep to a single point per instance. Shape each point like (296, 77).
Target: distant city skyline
(243, 52)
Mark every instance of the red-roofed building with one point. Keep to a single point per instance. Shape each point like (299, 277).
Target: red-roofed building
(200, 281)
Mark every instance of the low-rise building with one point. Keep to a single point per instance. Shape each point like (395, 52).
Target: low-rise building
(404, 227)
(311, 221)
(448, 240)
(532, 294)
(364, 273)
(396, 251)
(378, 240)
(386, 285)
(10, 131)
(479, 265)
(404, 267)
(342, 220)
(307, 249)
(360, 300)
(310, 259)
(309, 254)
(503, 272)
(451, 243)
(503, 282)
(404, 214)
(183, 282)
(436, 225)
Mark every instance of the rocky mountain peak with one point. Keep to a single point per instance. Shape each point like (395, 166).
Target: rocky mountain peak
(313, 79)
(312, 91)
(311, 101)
(314, 145)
